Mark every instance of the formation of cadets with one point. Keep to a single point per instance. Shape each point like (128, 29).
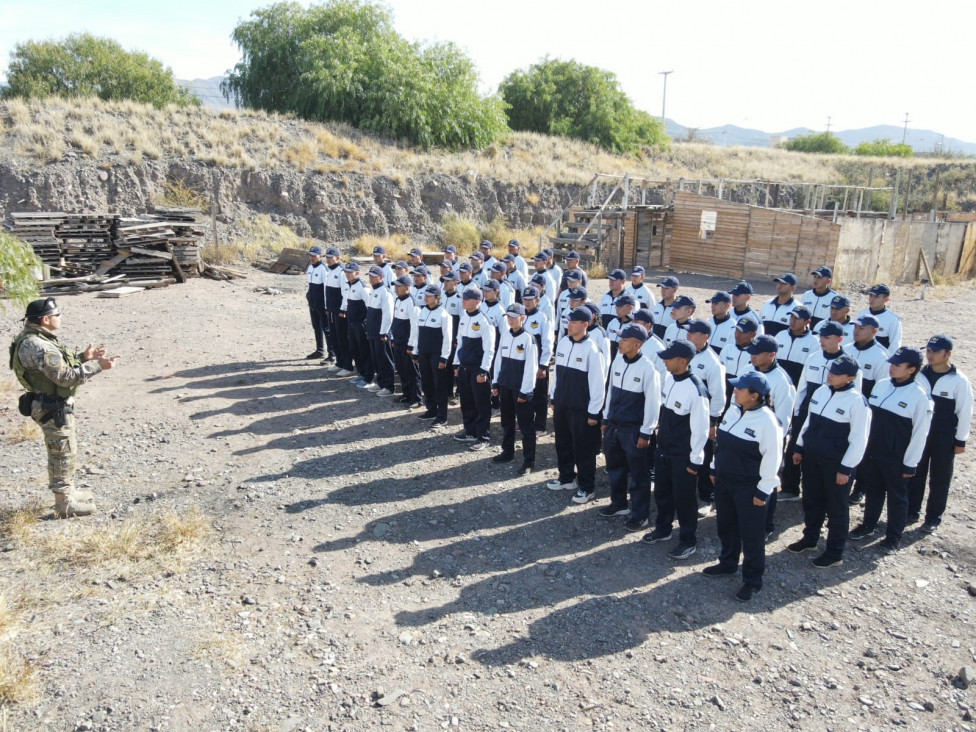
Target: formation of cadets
(731, 413)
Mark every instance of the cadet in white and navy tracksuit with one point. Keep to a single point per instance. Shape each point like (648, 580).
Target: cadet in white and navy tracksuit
(379, 320)
(662, 308)
(475, 351)
(652, 346)
(889, 324)
(682, 431)
(337, 334)
(353, 310)
(608, 303)
(315, 295)
(514, 381)
(796, 344)
(818, 299)
(624, 307)
(404, 321)
(735, 357)
(539, 326)
(952, 398)
(638, 289)
(741, 294)
(454, 306)
(721, 323)
(830, 446)
(681, 312)
(901, 413)
(745, 466)
(706, 366)
(782, 393)
(630, 416)
(775, 313)
(869, 354)
(577, 389)
(430, 347)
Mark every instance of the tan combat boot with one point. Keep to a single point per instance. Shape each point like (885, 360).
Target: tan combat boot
(76, 503)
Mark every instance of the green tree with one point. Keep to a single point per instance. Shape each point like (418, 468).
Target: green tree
(343, 61)
(85, 66)
(17, 265)
(570, 99)
(884, 149)
(816, 142)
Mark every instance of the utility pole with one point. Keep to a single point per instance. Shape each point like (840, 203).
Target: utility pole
(904, 133)
(828, 124)
(664, 98)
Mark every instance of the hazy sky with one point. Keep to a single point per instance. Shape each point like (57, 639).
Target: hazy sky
(762, 64)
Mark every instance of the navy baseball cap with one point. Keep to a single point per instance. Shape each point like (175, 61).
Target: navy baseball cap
(762, 344)
(465, 267)
(684, 301)
(574, 274)
(747, 325)
(352, 267)
(433, 290)
(486, 245)
(540, 257)
(450, 248)
(840, 301)
(678, 349)
(802, 312)
(421, 270)
(743, 288)
(332, 252)
(315, 250)
(515, 243)
(491, 286)
(868, 321)
(499, 267)
(445, 263)
(787, 279)
(416, 252)
(720, 297)
(530, 293)
(375, 271)
(403, 281)
(625, 300)
(400, 264)
(669, 281)
(617, 274)
(752, 380)
(577, 293)
(573, 255)
(379, 250)
(515, 309)
(450, 277)
(538, 279)
(472, 293)
(699, 326)
(633, 330)
(939, 343)
(643, 316)
(844, 365)
(830, 328)
(592, 307)
(823, 272)
(583, 315)
(880, 289)
(508, 258)
(477, 255)
(547, 251)
(637, 270)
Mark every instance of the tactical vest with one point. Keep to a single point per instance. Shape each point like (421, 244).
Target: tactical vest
(34, 380)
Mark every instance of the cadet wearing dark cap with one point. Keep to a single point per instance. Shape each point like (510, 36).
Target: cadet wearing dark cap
(796, 343)
(747, 458)
(735, 357)
(662, 308)
(630, 415)
(506, 291)
(513, 384)
(608, 303)
(479, 273)
(817, 300)
(624, 305)
(430, 347)
(353, 310)
(379, 320)
(563, 307)
(840, 313)
(830, 445)
(572, 265)
(451, 255)
(952, 398)
(644, 297)
(741, 295)
(782, 393)
(472, 361)
(707, 367)
(869, 354)
(576, 391)
(380, 260)
(485, 249)
(421, 278)
(52, 373)
(901, 413)
(721, 323)
(889, 324)
(682, 431)
(681, 312)
(337, 336)
(315, 295)
(539, 326)
(415, 258)
(404, 320)
(513, 276)
(652, 346)
(775, 313)
(515, 249)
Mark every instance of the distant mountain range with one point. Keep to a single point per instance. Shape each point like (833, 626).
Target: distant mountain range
(921, 140)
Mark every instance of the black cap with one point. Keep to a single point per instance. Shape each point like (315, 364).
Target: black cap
(40, 308)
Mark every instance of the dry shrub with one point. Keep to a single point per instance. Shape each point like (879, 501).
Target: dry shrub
(86, 144)
(597, 271)
(257, 237)
(18, 684)
(336, 147)
(461, 232)
(533, 199)
(181, 194)
(301, 155)
(396, 245)
(17, 523)
(25, 431)
(498, 232)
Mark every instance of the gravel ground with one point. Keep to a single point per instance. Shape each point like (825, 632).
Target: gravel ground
(364, 573)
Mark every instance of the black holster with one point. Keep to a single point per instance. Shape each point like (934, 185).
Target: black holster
(57, 408)
(25, 403)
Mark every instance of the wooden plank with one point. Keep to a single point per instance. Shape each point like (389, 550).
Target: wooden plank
(121, 292)
(117, 259)
(151, 253)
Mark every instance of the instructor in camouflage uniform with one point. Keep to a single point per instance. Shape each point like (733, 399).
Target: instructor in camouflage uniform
(51, 373)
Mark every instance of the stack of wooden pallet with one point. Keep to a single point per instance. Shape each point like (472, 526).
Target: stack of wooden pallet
(187, 235)
(147, 241)
(40, 231)
(86, 241)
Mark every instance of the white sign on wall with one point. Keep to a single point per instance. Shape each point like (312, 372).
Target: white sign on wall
(707, 226)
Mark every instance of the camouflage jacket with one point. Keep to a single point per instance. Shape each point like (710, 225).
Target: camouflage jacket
(45, 366)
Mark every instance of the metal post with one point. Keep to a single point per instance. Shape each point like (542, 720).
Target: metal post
(893, 208)
(664, 98)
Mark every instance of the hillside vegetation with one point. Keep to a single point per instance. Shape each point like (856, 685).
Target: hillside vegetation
(126, 133)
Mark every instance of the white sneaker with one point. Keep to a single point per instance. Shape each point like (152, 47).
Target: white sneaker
(705, 509)
(555, 485)
(343, 373)
(372, 386)
(384, 393)
(333, 368)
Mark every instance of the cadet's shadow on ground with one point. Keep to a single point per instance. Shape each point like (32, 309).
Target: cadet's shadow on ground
(200, 374)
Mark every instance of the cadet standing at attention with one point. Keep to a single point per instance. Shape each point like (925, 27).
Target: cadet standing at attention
(513, 384)
(472, 364)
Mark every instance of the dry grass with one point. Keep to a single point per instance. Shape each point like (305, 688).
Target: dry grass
(16, 524)
(25, 431)
(256, 238)
(597, 271)
(396, 245)
(18, 683)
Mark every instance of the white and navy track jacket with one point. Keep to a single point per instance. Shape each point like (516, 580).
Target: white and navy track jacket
(517, 363)
(578, 379)
(814, 374)
(562, 312)
(683, 424)
(388, 275)
(495, 311)
(404, 319)
(782, 394)
(433, 332)
(506, 293)
(634, 394)
(723, 333)
(517, 283)
(475, 342)
(335, 279)
(522, 267)
(748, 314)
(736, 361)
(608, 310)
(354, 297)
(653, 346)
(819, 304)
(645, 299)
(555, 275)
(599, 336)
(615, 326)
(379, 311)
(873, 360)
(900, 418)
(847, 327)
(776, 317)
(889, 334)
(418, 294)
(454, 305)
(480, 276)
(662, 317)
(794, 351)
(952, 397)
(675, 331)
(316, 285)
(837, 427)
(748, 450)
(709, 370)
(539, 326)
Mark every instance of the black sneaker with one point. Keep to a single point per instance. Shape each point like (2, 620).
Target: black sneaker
(414, 405)
(526, 468)
(465, 437)
(825, 561)
(929, 527)
(429, 414)
(634, 524)
(888, 545)
(798, 547)
(315, 354)
(912, 518)
(612, 510)
(682, 551)
(746, 593)
(504, 457)
(788, 496)
(719, 570)
(655, 536)
(437, 423)
(861, 532)
(857, 498)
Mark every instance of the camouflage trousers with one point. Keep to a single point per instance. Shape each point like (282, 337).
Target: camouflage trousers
(62, 450)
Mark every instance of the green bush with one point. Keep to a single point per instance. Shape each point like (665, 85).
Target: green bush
(816, 142)
(343, 61)
(461, 232)
(18, 265)
(85, 66)
(884, 149)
